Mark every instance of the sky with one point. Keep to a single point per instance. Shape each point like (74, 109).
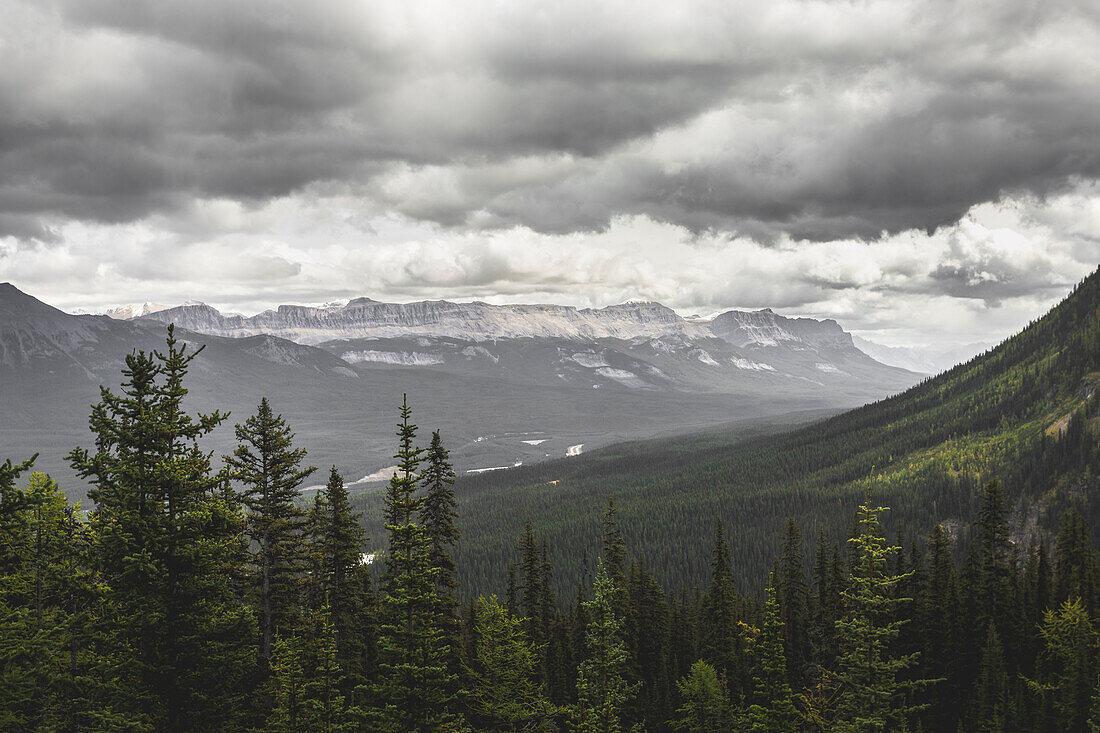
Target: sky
(926, 172)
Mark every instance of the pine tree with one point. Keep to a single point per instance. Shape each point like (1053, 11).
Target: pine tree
(268, 466)
(1068, 663)
(602, 687)
(706, 706)
(868, 666)
(990, 701)
(721, 645)
(507, 694)
(414, 691)
(338, 577)
(614, 555)
(793, 595)
(175, 650)
(531, 585)
(773, 710)
(993, 565)
(939, 624)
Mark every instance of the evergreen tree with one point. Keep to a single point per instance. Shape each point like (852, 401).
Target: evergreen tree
(773, 710)
(793, 597)
(993, 566)
(869, 668)
(175, 649)
(939, 632)
(602, 687)
(1068, 670)
(614, 555)
(990, 701)
(706, 706)
(337, 576)
(720, 643)
(415, 689)
(507, 694)
(268, 466)
(438, 511)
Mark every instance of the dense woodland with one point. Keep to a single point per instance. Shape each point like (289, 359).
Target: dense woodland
(194, 597)
(1020, 413)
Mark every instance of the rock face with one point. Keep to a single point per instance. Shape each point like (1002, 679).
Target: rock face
(479, 322)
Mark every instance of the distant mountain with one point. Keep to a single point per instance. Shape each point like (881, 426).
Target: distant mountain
(134, 310)
(925, 360)
(635, 345)
(1026, 412)
(365, 318)
(552, 381)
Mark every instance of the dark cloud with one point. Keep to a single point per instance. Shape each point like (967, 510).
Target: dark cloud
(816, 121)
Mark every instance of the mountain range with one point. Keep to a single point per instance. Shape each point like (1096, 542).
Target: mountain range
(1026, 413)
(506, 384)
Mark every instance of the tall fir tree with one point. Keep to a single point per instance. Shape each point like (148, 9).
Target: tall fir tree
(706, 706)
(338, 577)
(415, 689)
(507, 693)
(869, 667)
(269, 467)
(772, 710)
(794, 603)
(602, 687)
(721, 643)
(176, 647)
(989, 704)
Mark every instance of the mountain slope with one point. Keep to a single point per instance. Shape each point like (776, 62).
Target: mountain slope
(1026, 412)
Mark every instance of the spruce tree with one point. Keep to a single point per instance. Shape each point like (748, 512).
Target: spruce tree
(721, 642)
(414, 691)
(773, 709)
(602, 687)
(940, 632)
(507, 693)
(176, 647)
(989, 705)
(269, 467)
(794, 607)
(338, 578)
(706, 706)
(1068, 665)
(869, 667)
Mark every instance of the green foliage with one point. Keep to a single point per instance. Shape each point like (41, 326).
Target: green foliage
(772, 710)
(705, 705)
(174, 643)
(602, 687)
(268, 466)
(1068, 663)
(337, 579)
(868, 667)
(415, 689)
(507, 694)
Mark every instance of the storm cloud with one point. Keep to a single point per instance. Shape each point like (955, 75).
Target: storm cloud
(787, 125)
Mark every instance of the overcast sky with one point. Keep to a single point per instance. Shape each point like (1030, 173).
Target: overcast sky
(925, 172)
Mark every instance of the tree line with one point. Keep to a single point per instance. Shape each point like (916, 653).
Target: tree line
(194, 598)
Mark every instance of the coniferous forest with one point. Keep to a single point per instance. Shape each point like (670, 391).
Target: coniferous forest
(203, 593)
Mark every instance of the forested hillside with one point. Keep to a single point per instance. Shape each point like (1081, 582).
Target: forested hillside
(196, 598)
(1025, 412)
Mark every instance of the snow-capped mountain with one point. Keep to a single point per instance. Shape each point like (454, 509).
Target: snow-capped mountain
(479, 322)
(134, 310)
